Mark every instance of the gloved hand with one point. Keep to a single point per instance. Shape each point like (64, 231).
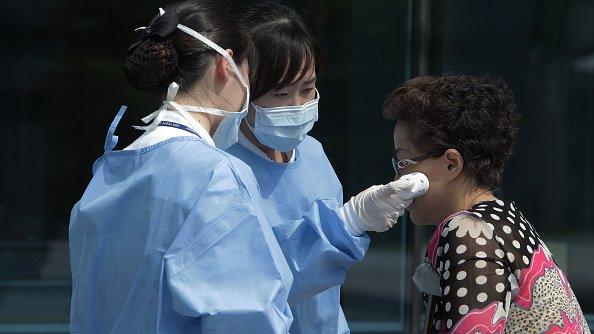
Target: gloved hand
(378, 207)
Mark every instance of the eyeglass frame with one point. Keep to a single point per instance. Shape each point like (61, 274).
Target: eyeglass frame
(399, 165)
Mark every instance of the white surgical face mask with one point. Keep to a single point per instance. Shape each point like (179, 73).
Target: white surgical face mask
(284, 128)
(227, 132)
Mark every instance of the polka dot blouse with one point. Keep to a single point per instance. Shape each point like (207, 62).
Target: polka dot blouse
(497, 276)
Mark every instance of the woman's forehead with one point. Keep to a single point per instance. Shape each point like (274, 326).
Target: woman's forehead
(305, 74)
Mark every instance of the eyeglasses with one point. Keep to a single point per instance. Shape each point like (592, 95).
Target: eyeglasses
(399, 165)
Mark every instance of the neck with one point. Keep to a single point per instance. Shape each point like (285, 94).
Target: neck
(209, 122)
(274, 155)
(469, 197)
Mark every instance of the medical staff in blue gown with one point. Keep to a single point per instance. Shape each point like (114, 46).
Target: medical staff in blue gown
(302, 195)
(169, 236)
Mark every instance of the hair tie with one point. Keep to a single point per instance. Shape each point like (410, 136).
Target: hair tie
(161, 26)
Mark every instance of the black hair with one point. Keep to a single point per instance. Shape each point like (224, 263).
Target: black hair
(283, 43)
(154, 61)
(475, 115)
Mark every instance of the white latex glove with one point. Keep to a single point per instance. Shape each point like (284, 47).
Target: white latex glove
(378, 207)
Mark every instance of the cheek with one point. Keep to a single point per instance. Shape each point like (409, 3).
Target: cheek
(424, 210)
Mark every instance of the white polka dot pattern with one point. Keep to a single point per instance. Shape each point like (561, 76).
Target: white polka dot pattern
(476, 256)
(463, 309)
(480, 280)
(499, 253)
(500, 287)
(481, 297)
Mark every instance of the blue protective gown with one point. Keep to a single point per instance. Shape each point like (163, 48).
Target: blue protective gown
(170, 238)
(300, 199)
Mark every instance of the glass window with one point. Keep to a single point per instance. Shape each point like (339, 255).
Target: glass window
(545, 51)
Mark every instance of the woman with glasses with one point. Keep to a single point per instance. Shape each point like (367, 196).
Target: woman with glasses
(486, 268)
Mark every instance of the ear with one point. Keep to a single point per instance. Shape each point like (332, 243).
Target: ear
(454, 163)
(223, 68)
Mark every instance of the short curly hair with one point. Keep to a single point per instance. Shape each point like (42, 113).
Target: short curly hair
(475, 115)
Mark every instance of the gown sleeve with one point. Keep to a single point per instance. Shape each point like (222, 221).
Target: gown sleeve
(319, 249)
(225, 266)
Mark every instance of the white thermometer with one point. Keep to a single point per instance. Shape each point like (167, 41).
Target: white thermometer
(419, 184)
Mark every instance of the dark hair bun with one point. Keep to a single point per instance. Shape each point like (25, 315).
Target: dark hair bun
(151, 63)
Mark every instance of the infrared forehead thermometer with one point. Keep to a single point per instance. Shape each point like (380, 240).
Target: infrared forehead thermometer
(418, 184)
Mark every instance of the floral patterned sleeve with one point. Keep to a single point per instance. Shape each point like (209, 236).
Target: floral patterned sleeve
(475, 278)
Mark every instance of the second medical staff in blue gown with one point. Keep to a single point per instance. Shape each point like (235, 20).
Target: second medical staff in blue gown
(302, 195)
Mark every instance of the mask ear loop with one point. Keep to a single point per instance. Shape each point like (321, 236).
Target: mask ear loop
(157, 115)
(223, 53)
